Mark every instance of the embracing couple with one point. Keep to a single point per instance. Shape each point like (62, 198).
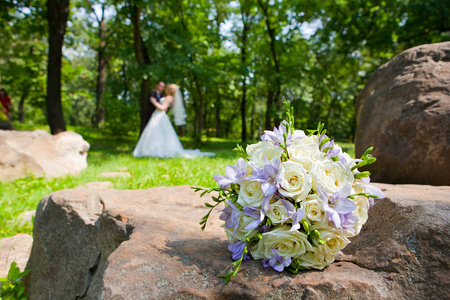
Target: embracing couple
(159, 138)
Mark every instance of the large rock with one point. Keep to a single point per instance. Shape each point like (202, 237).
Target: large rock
(147, 244)
(404, 112)
(38, 152)
(16, 249)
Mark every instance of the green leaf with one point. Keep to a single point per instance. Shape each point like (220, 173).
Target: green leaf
(240, 151)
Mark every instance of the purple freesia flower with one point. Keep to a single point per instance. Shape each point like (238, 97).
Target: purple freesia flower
(336, 152)
(267, 175)
(295, 215)
(327, 144)
(234, 174)
(339, 207)
(371, 190)
(276, 261)
(254, 213)
(333, 152)
(277, 135)
(231, 215)
(237, 248)
(346, 163)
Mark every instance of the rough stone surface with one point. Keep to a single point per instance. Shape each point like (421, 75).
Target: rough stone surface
(98, 185)
(147, 244)
(38, 152)
(408, 234)
(404, 113)
(115, 174)
(16, 248)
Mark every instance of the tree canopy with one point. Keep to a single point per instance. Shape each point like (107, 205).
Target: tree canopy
(234, 61)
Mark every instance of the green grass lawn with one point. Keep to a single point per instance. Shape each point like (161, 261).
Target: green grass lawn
(109, 153)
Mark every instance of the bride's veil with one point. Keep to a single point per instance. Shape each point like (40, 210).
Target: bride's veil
(179, 113)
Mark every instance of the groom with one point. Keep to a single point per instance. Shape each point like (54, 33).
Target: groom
(156, 95)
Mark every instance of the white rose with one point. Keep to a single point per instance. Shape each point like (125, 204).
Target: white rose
(313, 210)
(313, 260)
(292, 244)
(295, 182)
(334, 242)
(330, 175)
(241, 233)
(250, 194)
(305, 154)
(257, 151)
(361, 212)
(325, 225)
(307, 140)
(277, 212)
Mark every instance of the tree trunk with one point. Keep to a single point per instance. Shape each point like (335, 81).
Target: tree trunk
(57, 15)
(143, 59)
(245, 16)
(243, 112)
(330, 109)
(145, 103)
(206, 116)
(274, 93)
(270, 101)
(99, 118)
(125, 81)
(217, 113)
(198, 108)
(252, 123)
(22, 103)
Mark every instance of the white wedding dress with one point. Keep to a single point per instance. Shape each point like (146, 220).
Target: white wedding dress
(159, 139)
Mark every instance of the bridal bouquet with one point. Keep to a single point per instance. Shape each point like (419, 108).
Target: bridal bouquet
(292, 200)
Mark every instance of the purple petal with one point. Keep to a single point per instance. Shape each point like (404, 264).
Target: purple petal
(252, 212)
(324, 196)
(268, 188)
(345, 191)
(289, 207)
(334, 217)
(222, 181)
(344, 206)
(231, 172)
(287, 261)
(253, 225)
(237, 248)
(271, 134)
(295, 227)
(278, 267)
(372, 190)
(265, 204)
(299, 215)
(241, 165)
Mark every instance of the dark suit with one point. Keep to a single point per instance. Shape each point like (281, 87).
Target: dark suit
(158, 97)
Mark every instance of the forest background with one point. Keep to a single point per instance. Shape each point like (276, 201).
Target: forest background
(235, 61)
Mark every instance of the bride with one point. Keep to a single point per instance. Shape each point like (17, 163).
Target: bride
(159, 139)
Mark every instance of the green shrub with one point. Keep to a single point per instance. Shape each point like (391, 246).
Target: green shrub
(12, 287)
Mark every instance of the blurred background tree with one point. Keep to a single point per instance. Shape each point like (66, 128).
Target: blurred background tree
(235, 61)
